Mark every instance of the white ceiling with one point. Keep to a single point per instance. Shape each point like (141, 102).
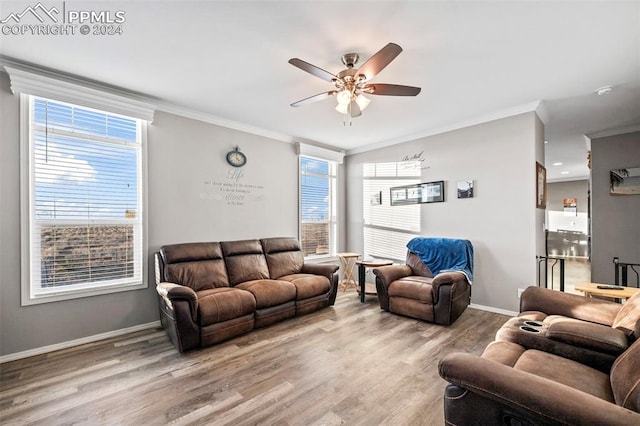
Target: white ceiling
(475, 61)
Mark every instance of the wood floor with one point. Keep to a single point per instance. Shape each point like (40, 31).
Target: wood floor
(351, 364)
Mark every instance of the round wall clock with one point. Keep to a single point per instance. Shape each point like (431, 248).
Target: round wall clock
(236, 158)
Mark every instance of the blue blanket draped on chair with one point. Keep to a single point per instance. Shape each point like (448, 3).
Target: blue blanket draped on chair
(444, 254)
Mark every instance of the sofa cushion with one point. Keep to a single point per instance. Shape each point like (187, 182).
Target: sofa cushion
(412, 287)
(625, 378)
(245, 261)
(584, 334)
(199, 266)
(308, 285)
(628, 316)
(222, 304)
(567, 372)
(269, 293)
(284, 256)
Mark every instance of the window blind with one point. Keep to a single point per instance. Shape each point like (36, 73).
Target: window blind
(387, 228)
(85, 198)
(317, 205)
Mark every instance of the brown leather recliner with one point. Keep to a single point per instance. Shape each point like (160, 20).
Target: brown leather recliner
(413, 290)
(210, 292)
(591, 331)
(512, 385)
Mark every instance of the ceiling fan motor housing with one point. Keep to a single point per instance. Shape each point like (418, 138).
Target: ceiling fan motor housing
(350, 59)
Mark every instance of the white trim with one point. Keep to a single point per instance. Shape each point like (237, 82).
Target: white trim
(319, 152)
(613, 132)
(498, 115)
(53, 85)
(77, 342)
(494, 310)
(223, 122)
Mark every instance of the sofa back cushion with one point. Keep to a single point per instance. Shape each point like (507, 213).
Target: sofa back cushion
(628, 316)
(417, 266)
(245, 261)
(199, 266)
(284, 256)
(625, 378)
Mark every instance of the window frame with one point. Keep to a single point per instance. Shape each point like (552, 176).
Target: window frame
(333, 208)
(27, 188)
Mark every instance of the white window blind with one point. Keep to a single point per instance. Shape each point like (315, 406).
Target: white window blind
(387, 228)
(317, 206)
(85, 199)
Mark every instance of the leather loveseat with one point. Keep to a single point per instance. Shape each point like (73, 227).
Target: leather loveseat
(591, 331)
(211, 291)
(512, 385)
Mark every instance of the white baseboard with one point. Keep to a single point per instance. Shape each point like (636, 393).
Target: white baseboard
(77, 342)
(494, 310)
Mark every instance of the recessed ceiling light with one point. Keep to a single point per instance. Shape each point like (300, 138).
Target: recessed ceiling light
(604, 90)
(564, 173)
(546, 141)
(557, 164)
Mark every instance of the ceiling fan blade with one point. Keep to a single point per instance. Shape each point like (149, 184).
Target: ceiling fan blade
(312, 69)
(314, 98)
(354, 110)
(391, 89)
(381, 59)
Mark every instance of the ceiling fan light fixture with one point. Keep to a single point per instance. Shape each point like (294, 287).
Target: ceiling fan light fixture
(362, 101)
(344, 97)
(342, 108)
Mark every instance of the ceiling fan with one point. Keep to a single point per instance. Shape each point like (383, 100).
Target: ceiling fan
(352, 84)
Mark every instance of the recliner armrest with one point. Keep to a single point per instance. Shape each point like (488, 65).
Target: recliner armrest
(391, 273)
(171, 291)
(537, 397)
(444, 278)
(584, 334)
(569, 305)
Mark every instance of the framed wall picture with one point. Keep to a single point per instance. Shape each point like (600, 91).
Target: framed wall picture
(625, 181)
(432, 192)
(541, 186)
(464, 189)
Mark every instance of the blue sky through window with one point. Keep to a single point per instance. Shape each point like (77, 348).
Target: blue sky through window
(85, 163)
(314, 190)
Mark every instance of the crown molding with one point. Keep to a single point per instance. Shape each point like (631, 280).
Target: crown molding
(509, 112)
(223, 122)
(613, 132)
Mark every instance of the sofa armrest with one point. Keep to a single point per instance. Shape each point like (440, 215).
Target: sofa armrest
(319, 269)
(388, 274)
(569, 305)
(540, 398)
(171, 292)
(584, 334)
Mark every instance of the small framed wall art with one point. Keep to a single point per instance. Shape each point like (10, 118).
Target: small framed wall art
(464, 189)
(541, 186)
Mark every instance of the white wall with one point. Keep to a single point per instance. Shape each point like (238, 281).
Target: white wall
(501, 220)
(183, 155)
(615, 228)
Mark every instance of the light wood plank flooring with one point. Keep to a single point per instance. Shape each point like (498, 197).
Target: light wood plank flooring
(352, 364)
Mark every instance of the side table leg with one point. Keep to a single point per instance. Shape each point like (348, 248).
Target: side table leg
(361, 281)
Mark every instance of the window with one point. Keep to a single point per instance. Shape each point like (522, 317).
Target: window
(83, 191)
(387, 228)
(317, 206)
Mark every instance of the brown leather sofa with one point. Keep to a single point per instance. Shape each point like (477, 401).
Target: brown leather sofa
(413, 290)
(591, 331)
(512, 385)
(211, 291)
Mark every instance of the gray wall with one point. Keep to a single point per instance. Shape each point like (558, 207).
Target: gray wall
(185, 165)
(615, 228)
(558, 191)
(501, 220)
